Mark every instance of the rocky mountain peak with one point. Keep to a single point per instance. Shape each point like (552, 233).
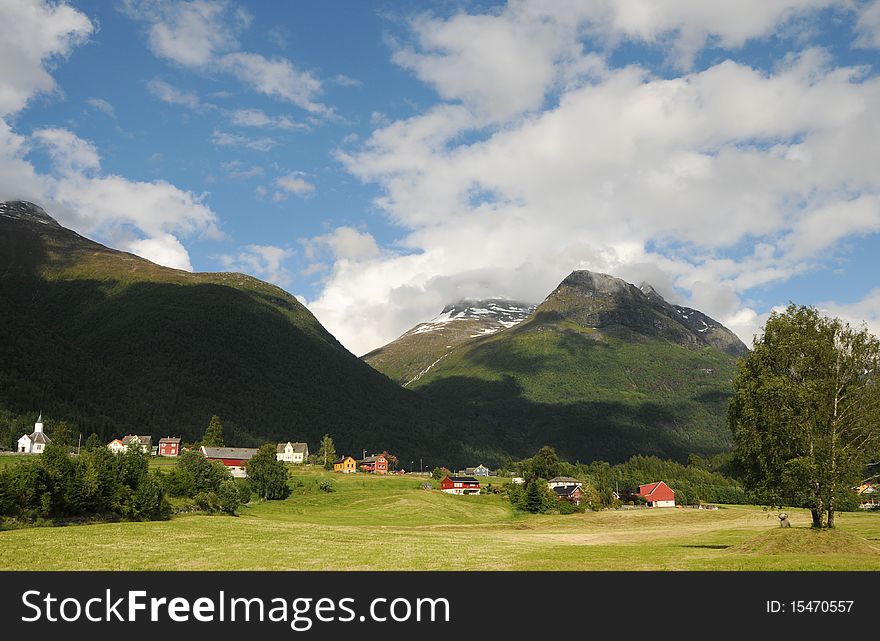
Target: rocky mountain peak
(610, 304)
(27, 211)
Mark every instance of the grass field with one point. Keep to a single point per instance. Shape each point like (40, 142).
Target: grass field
(388, 523)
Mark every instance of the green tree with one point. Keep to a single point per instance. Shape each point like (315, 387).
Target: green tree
(327, 452)
(61, 434)
(268, 475)
(805, 411)
(214, 433)
(93, 442)
(545, 463)
(538, 498)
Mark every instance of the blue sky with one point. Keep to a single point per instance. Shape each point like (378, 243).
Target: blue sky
(379, 160)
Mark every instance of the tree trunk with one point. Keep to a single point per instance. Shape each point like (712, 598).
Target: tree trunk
(830, 518)
(817, 517)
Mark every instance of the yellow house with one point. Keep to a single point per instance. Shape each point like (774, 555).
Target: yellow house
(345, 464)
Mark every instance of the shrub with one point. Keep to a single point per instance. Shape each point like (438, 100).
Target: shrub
(566, 507)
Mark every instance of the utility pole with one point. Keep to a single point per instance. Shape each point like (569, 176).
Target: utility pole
(421, 467)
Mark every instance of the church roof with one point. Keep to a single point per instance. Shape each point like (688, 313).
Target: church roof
(39, 437)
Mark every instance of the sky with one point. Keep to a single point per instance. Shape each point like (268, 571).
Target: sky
(379, 160)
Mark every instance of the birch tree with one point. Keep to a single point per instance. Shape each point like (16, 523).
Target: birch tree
(805, 411)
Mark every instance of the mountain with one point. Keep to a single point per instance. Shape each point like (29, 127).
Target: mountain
(410, 356)
(115, 344)
(601, 369)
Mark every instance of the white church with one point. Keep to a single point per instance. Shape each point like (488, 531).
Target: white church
(36, 442)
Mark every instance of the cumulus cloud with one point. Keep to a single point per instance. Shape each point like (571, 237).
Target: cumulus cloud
(164, 249)
(868, 26)
(37, 33)
(192, 33)
(344, 243)
(263, 261)
(714, 181)
(148, 218)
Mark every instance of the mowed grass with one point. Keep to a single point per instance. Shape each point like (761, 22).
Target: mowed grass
(389, 523)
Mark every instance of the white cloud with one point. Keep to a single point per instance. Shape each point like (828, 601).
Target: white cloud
(258, 118)
(164, 249)
(292, 183)
(277, 78)
(192, 33)
(868, 26)
(866, 310)
(344, 243)
(203, 35)
(147, 218)
(225, 139)
(172, 95)
(70, 154)
(721, 180)
(36, 33)
(102, 105)
(263, 261)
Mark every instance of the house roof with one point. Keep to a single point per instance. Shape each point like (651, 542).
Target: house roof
(462, 479)
(39, 437)
(169, 439)
(238, 453)
(299, 448)
(564, 479)
(565, 490)
(649, 489)
(373, 459)
(472, 470)
(146, 441)
(342, 459)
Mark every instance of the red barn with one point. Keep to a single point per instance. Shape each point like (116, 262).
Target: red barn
(169, 446)
(234, 458)
(657, 494)
(460, 485)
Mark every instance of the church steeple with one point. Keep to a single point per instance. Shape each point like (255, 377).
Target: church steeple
(38, 426)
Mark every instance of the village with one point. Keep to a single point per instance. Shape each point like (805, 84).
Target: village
(462, 483)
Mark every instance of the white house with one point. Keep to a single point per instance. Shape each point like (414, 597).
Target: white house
(479, 470)
(292, 452)
(146, 442)
(35, 442)
(563, 481)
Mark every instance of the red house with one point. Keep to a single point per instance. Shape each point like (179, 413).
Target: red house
(570, 493)
(460, 485)
(169, 446)
(657, 494)
(377, 464)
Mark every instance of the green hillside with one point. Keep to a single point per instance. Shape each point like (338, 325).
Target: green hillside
(114, 344)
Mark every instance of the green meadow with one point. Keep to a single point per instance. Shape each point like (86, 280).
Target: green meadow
(389, 523)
